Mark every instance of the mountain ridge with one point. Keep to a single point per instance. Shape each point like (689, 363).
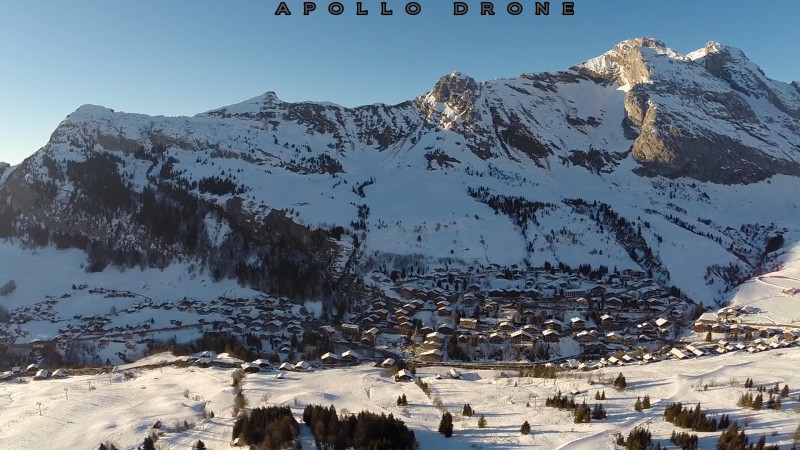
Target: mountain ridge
(664, 149)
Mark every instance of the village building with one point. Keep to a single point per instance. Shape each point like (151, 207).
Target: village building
(350, 356)
(550, 335)
(330, 358)
(431, 356)
(404, 375)
(470, 324)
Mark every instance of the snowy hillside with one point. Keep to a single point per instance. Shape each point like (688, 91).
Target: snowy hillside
(82, 411)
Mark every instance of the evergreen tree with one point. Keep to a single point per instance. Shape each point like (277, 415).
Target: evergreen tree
(200, 445)
(620, 382)
(646, 402)
(603, 395)
(525, 429)
(148, 444)
(467, 411)
(785, 391)
(638, 405)
(582, 413)
(598, 413)
(446, 424)
(732, 439)
(638, 439)
(482, 422)
(758, 402)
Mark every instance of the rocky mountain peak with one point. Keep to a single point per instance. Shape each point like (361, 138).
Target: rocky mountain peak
(628, 63)
(453, 88)
(451, 102)
(249, 107)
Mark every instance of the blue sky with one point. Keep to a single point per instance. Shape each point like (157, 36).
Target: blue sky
(181, 57)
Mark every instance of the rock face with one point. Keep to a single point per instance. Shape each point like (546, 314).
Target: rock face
(711, 115)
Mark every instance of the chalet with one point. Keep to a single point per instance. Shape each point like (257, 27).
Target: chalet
(614, 302)
(606, 320)
(597, 291)
(436, 337)
(431, 356)
(577, 323)
(613, 337)
(470, 324)
(249, 367)
(677, 354)
(370, 337)
(350, 330)
(42, 374)
(582, 301)
(274, 326)
(405, 327)
(553, 324)
(403, 375)
(350, 356)
(445, 329)
(388, 362)
(286, 366)
(32, 368)
(505, 326)
(302, 366)
(454, 374)
(701, 327)
(237, 328)
(262, 364)
(550, 335)
(726, 313)
(406, 292)
(663, 323)
(431, 345)
(646, 293)
(444, 311)
(330, 358)
(497, 338)
(585, 336)
(521, 337)
(791, 336)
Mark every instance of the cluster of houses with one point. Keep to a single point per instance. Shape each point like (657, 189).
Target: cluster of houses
(272, 320)
(739, 335)
(508, 307)
(32, 370)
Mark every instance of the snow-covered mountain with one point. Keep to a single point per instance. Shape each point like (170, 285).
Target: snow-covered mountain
(684, 165)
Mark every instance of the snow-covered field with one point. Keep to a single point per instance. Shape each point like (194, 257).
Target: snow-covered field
(82, 411)
(774, 298)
